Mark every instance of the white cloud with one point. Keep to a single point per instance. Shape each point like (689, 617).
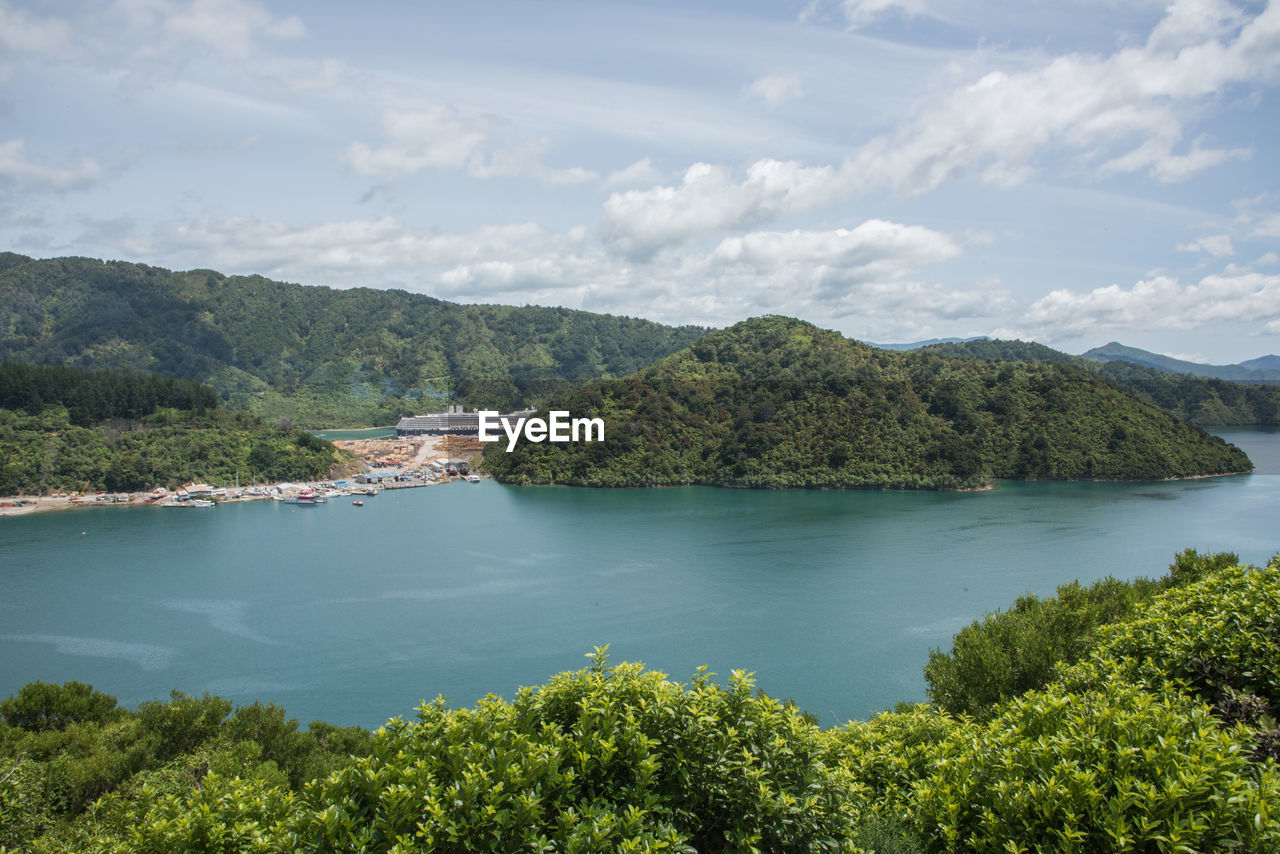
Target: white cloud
(776, 89)
(869, 275)
(1087, 105)
(1267, 226)
(856, 14)
(231, 28)
(22, 33)
(639, 173)
(875, 249)
(640, 223)
(1235, 295)
(859, 13)
(16, 167)
(1217, 245)
(373, 252)
(437, 136)
(433, 136)
(1118, 113)
(1188, 23)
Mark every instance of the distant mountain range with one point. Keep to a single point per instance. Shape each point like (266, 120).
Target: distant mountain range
(929, 342)
(1207, 401)
(1265, 369)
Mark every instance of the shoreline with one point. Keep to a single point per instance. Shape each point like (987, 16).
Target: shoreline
(32, 504)
(25, 505)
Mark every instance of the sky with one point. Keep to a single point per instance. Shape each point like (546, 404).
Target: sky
(1067, 171)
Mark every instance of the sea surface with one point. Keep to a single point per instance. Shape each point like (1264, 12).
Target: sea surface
(365, 433)
(355, 614)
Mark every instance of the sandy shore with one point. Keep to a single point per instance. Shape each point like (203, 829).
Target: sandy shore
(43, 504)
(33, 504)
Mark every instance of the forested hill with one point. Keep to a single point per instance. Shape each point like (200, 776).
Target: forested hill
(776, 402)
(69, 429)
(1206, 401)
(321, 356)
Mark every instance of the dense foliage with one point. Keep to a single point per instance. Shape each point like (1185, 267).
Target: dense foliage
(92, 397)
(1008, 653)
(95, 430)
(320, 356)
(76, 769)
(1158, 739)
(776, 402)
(46, 452)
(1197, 400)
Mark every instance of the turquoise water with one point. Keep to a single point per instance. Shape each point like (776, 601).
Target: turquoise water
(352, 614)
(367, 433)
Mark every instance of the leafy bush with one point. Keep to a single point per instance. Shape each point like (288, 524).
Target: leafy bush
(1009, 652)
(42, 706)
(1113, 769)
(1123, 753)
(227, 815)
(1216, 634)
(607, 758)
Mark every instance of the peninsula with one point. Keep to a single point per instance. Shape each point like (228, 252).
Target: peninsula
(775, 402)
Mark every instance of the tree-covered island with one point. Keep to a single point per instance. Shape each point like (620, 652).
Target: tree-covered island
(775, 402)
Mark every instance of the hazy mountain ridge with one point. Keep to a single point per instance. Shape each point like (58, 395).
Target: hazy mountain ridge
(1265, 369)
(1199, 400)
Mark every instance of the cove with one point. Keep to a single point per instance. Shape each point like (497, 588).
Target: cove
(352, 615)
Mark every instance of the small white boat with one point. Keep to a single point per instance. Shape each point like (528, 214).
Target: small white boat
(473, 478)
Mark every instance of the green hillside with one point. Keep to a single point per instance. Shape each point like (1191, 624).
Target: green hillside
(1206, 401)
(1253, 373)
(65, 429)
(775, 402)
(320, 356)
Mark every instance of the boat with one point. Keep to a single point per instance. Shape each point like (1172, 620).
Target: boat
(357, 503)
(473, 478)
(306, 496)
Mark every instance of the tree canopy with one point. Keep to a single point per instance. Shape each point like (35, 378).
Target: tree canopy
(776, 402)
(321, 356)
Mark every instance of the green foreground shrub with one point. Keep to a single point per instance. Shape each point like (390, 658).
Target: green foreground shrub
(1159, 739)
(1113, 769)
(1007, 653)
